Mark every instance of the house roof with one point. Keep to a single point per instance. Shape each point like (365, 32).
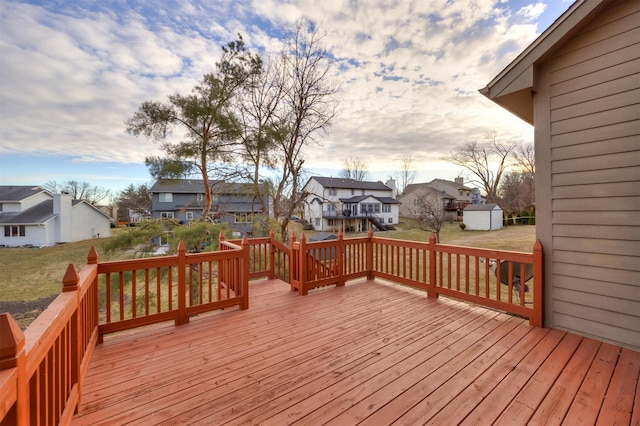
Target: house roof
(426, 186)
(9, 193)
(194, 186)
(342, 183)
(359, 198)
(40, 213)
(513, 87)
(481, 207)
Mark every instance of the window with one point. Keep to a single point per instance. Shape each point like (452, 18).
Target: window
(165, 197)
(331, 207)
(330, 222)
(189, 215)
(166, 215)
(200, 197)
(14, 231)
(317, 221)
(386, 208)
(243, 217)
(369, 208)
(389, 220)
(353, 191)
(333, 191)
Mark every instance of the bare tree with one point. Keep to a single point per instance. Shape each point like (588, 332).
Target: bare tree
(525, 160)
(430, 208)
(514, 192)
(486, 161)
(257, 110)
(406, 176)
(308, 107)
(354, 168)
(92, 194)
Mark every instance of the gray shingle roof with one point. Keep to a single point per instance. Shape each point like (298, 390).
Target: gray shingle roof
(17, 193)
(480, 207)
(39, 213)
(342, 183)
(194, 186)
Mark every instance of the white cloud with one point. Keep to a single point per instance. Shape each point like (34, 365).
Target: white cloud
(410, 71)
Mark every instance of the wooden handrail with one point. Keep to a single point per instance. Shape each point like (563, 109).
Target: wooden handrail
(70, 326)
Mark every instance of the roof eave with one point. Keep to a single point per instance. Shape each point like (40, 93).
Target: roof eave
(513, 87)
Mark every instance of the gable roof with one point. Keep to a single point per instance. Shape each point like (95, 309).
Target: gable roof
(513, 87)
(342, 183)
(481, 207)
(10, 193)
(360, 198)
(40, 213)
(426, 186)
(194, 186)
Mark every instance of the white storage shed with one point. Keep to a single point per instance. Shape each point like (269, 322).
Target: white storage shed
(482, 217)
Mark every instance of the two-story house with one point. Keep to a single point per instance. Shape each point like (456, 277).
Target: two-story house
(333, 204)
(32, 216)
(420, 199)
(183, 201)
(456, 196)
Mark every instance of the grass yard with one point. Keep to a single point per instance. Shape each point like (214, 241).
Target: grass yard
(32, 277)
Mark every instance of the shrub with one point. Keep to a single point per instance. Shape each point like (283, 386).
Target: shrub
(463, 226)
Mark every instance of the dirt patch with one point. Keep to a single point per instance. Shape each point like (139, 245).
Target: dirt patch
(24, 312)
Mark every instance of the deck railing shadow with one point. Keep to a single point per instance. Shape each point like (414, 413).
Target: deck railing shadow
(41, 370)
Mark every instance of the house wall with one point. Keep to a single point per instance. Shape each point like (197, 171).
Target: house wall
(34, 236)
(587, 136)
(88, 223)
(477, 220)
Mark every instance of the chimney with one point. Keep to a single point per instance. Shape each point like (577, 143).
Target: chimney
(62, 209)
(391, 183)
(459, 180)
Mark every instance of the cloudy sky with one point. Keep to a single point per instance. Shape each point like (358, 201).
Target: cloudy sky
(71, 73)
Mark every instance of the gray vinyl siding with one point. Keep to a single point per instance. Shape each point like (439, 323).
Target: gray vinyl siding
(593, 95)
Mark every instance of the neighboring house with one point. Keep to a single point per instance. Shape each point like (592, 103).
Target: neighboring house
(482, 217)
(32, 216)
(455, 195)
(464, 195)
(350, 205)
(578, 84)
(420, 197)
(183, 201)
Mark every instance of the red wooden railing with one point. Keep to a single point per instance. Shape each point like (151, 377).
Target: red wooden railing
(465, 273)
(41, 370)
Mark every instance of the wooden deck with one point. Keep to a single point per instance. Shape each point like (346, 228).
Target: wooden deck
(371, 353)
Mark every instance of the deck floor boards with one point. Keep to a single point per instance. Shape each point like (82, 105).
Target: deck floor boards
(371, 352)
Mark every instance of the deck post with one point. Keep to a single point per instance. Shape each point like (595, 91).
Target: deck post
(293, 263)
(70, 282)
(340, 259)
(220, 268)
(369, 260)
(244, 273)
(303, 265)
(12, 355)
(538, 286)
(272, 255)
(431, 292)
(182, 286)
